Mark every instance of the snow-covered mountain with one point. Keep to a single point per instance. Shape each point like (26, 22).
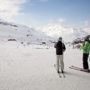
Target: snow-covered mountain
(67, 32)
(22, 33)
(30, 35)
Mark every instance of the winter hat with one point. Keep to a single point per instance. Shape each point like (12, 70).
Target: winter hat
(60, 39)
(87, 39)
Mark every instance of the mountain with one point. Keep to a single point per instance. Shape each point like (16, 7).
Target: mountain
(67, 32)
(21, 33)
(48, 34)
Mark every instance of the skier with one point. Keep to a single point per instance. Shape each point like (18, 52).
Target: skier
(86, 50)
(60, 48)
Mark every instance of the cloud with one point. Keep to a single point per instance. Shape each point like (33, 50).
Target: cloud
(61, 20)
(56, 29)
(10, 8)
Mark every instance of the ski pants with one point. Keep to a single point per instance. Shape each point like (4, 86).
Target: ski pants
(85, 61)
(59, 62)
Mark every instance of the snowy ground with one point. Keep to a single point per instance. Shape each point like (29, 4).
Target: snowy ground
(31, 68)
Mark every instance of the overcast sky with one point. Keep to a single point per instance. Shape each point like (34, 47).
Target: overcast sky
(40, 12)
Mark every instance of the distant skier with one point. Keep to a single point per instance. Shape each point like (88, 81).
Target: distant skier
(60, 48)
(86, 50)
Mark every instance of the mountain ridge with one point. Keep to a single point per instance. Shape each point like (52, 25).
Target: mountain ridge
(22, 33)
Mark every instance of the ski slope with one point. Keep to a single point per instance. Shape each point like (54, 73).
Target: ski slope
(31, 68)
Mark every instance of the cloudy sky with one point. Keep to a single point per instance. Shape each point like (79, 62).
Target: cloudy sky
(40, 12)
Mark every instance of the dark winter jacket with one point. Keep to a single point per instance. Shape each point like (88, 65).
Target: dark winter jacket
(60, 48)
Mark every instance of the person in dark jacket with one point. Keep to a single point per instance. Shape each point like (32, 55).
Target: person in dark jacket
(60, 48)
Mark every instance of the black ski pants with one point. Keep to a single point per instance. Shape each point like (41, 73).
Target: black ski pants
(85, 61)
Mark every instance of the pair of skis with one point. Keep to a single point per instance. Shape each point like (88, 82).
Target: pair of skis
(60, 73)
(79, 69)
(74, 68)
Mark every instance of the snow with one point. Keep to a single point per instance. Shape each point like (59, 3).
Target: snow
(31, 68)
(22, 33)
